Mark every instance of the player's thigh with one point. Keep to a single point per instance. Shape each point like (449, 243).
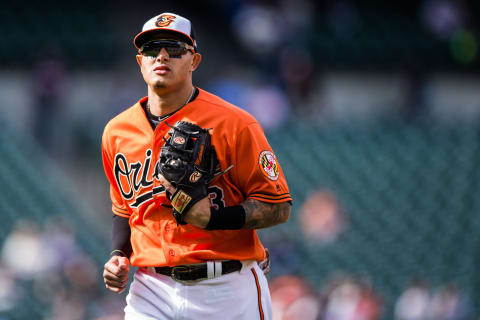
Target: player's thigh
(241, 295)
(148, 299)
(260, 304)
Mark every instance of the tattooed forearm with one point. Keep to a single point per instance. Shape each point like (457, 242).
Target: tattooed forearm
(262, 215)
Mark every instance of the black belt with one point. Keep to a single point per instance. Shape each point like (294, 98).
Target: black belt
(194, 272)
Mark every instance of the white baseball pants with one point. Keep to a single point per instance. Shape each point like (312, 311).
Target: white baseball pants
(240, 295)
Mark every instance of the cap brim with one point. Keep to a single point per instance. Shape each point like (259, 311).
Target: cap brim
(145, 36)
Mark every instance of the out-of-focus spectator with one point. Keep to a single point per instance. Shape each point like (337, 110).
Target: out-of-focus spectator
(265, 101)
(321, 218)
(262, 28)
(232, 86)
(293, 298)
(108, 307)
(349, 298)
(296, 68)
(82, 273)
(277, 37)
(49, 82)
(69, 305)
(449, 303)
(418, 302)
(259, 28)
(442, 17)
(69, 270)
(23, 250)
(284, 254)
(269, 105)
(9, 290)
(414, 302)
(46, 262)
(60, 244)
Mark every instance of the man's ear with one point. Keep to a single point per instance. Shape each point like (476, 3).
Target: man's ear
(139, 59)
(197, 58)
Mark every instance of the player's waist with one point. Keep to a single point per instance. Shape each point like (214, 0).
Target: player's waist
(198, 271)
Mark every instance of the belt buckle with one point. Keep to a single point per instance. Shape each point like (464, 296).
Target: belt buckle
(179, 269)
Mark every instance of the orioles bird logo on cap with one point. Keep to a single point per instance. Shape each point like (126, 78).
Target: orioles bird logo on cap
(164, 20)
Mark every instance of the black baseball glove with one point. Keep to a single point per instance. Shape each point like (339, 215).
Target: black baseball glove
(189, 162)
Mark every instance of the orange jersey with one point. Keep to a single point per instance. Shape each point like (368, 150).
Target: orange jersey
(130, 150)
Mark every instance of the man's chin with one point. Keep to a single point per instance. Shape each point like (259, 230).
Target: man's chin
(159, 85)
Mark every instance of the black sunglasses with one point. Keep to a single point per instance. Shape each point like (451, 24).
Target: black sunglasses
(175, 49)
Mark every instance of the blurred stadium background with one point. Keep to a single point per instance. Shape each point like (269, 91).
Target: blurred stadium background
(373, 109)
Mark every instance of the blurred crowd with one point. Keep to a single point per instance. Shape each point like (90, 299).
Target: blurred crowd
(346, 297)
(420, 301)
(45, 273)
(341, 297)
(277, 68)
(292, 47)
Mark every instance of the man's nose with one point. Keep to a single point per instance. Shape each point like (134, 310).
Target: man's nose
(162, 55)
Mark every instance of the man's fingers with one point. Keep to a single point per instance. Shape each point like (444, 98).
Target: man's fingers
(111, 284)
(115, 274)
(115, 289)
(164, 182)
(113, 277)
(123, 263)
(116, 283)
(119, 270)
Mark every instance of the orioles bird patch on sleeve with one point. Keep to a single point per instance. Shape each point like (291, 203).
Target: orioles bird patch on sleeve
(268, 164)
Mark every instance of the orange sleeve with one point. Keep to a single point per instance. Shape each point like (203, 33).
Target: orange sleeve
(258, 172)
(118, 205)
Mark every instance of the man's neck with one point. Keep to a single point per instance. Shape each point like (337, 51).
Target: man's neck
(167, 102)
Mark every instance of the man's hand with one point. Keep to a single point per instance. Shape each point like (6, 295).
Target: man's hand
(188, 161)
(199, 214)
(115, 273)
(265, 264)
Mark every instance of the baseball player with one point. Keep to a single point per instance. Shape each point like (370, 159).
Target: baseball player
(195, 246)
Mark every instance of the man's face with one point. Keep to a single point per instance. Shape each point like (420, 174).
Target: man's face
(165, 70)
